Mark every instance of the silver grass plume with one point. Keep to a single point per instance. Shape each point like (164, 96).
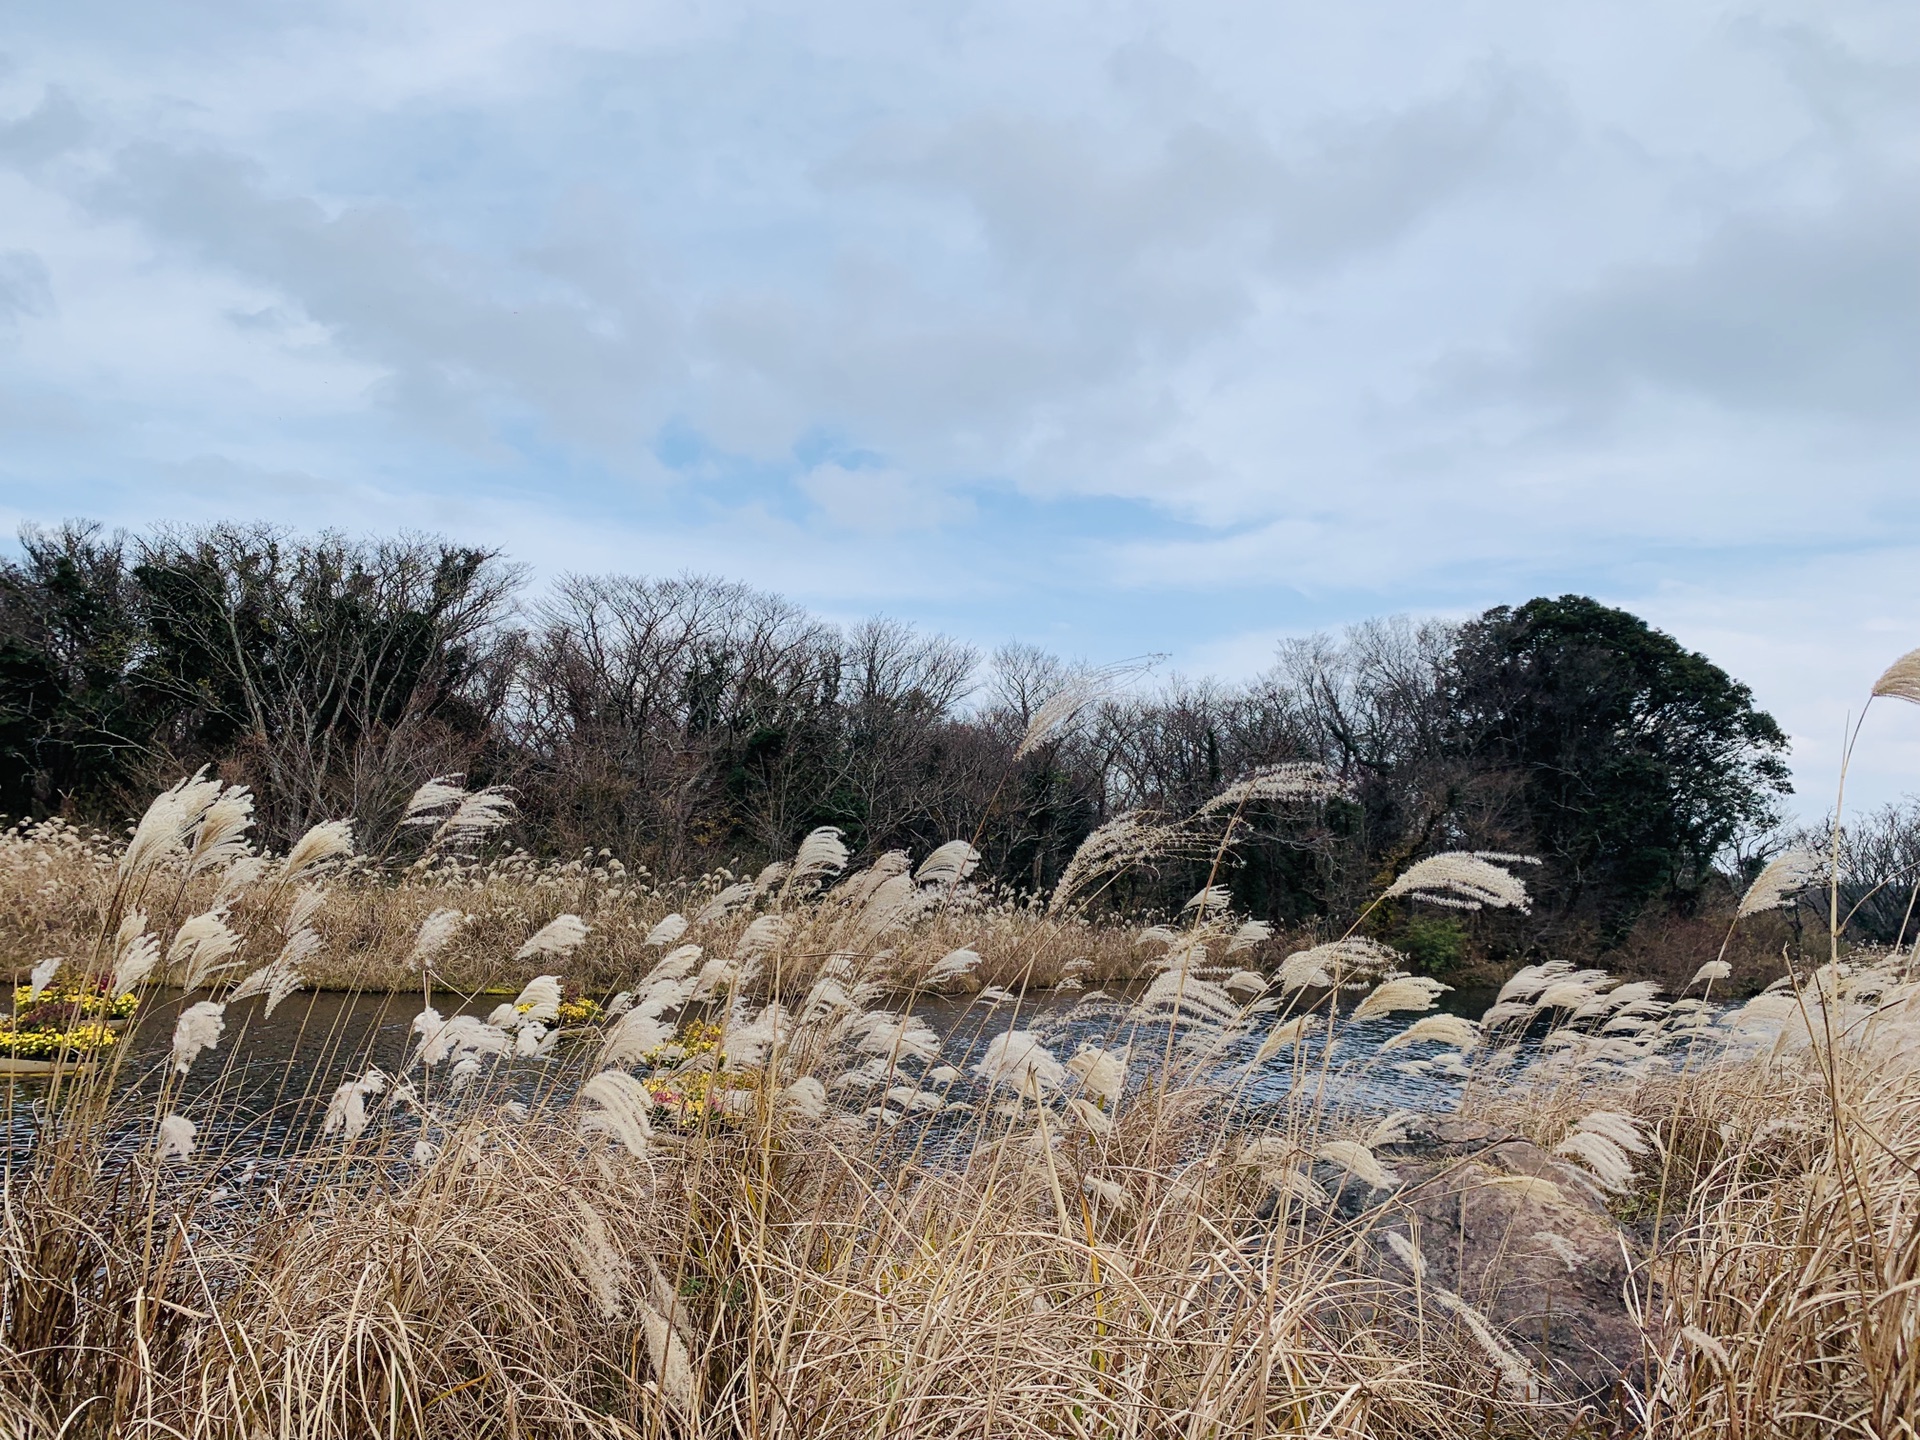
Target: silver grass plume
(621, 1109)
(1784, 876)
(42, 974)
(1338, 962)
(675, 964)
(1358, 1161)
(669, 929)
(762, 937)
(805, 1097)
(436, 932)
(459, 1038)
(162, 831)
(176, 1137)
(954, 965)
(305, 906)
(1284, 1034)
(322, 844)
(1462, 880)
(135, 961)
(1901, 680)
(821, 855)
(200, 949)
(1210, 900)
(1250, 934)
(221, 837)
(1018, 1060)
(347, 1110)
(886, 906)
(241, 874)
(559, 936)
(724, 903)
(280, 977)
(1060, 709)
(948, 865)
(1131, 838)
(427, 804)
(1454, 1031)
(1102, 1073)
(771, 875)
(199, 1028)
(1400, 992)
(1295, 782)
(1516, 1375)
(1708, 973)
(541, 998)
(858, 887)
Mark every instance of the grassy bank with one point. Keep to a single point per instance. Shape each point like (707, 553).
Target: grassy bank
(753, 1197)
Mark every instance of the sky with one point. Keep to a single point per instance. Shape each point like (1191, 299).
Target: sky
(1113, 327)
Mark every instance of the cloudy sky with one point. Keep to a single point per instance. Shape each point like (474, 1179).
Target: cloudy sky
(1117, 327)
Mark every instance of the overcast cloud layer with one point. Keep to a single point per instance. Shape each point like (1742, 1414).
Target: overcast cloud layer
(1116, 327)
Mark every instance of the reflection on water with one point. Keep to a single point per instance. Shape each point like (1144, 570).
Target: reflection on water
(263, 1092)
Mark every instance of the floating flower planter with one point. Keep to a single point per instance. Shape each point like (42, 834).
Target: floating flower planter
(62, 1027)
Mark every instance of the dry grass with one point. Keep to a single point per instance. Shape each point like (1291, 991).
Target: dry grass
(845, 1234)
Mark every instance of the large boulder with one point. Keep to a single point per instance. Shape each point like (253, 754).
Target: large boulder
(1526, 1239)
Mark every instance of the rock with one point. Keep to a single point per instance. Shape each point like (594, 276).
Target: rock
(1544, 1262)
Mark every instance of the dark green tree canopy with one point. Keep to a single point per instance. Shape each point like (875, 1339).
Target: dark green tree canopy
(1631, 761)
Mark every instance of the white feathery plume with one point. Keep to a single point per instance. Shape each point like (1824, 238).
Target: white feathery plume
(280, 977)
(1109, 1193)
(676, 964)
(559, 936)
(1901, 680)
(1130, 838)
(347, 1110)
(1622, 1130)
(438, 794)
(459, 1038)
(1529, 980)
(1178, 995)
(163, 830)
(1601, 1156)
(1358, 1161)
(763, 935)
(747, 1044)
(1784, 876)
(1017, 1059)
(541, 997)
(723, 904)
(669, 929)
(1336, 962)
(1091, 1115)
(887, 905)
(899, 1037)
(1064, 706)
(948, 865)
(221, 837)
(176, 1138)
(200, 949)
(805, 1097)
(1402, 992)
(477, 815)
(239, 875)
(1295, 782)
(1245, 982)
(41, 976)
(1463, 880)
(1287, 1032)
(952, 966)
(860, 885)
(325, 842)
(1709, 972)
(1102, 1073)
(642, 1029)
(425, 1152)
(135, 962)
(1517, 1377)
(306, 904)
(821, 855)
(436, 932)
(1250, 934)
(770, 876)
(199, 1028)
(1208, 901)
(622, 1107)
(1454, 1031)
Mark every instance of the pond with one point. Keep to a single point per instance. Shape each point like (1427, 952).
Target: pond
(261, 1094)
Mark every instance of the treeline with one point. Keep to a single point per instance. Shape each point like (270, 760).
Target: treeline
(688, 722)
